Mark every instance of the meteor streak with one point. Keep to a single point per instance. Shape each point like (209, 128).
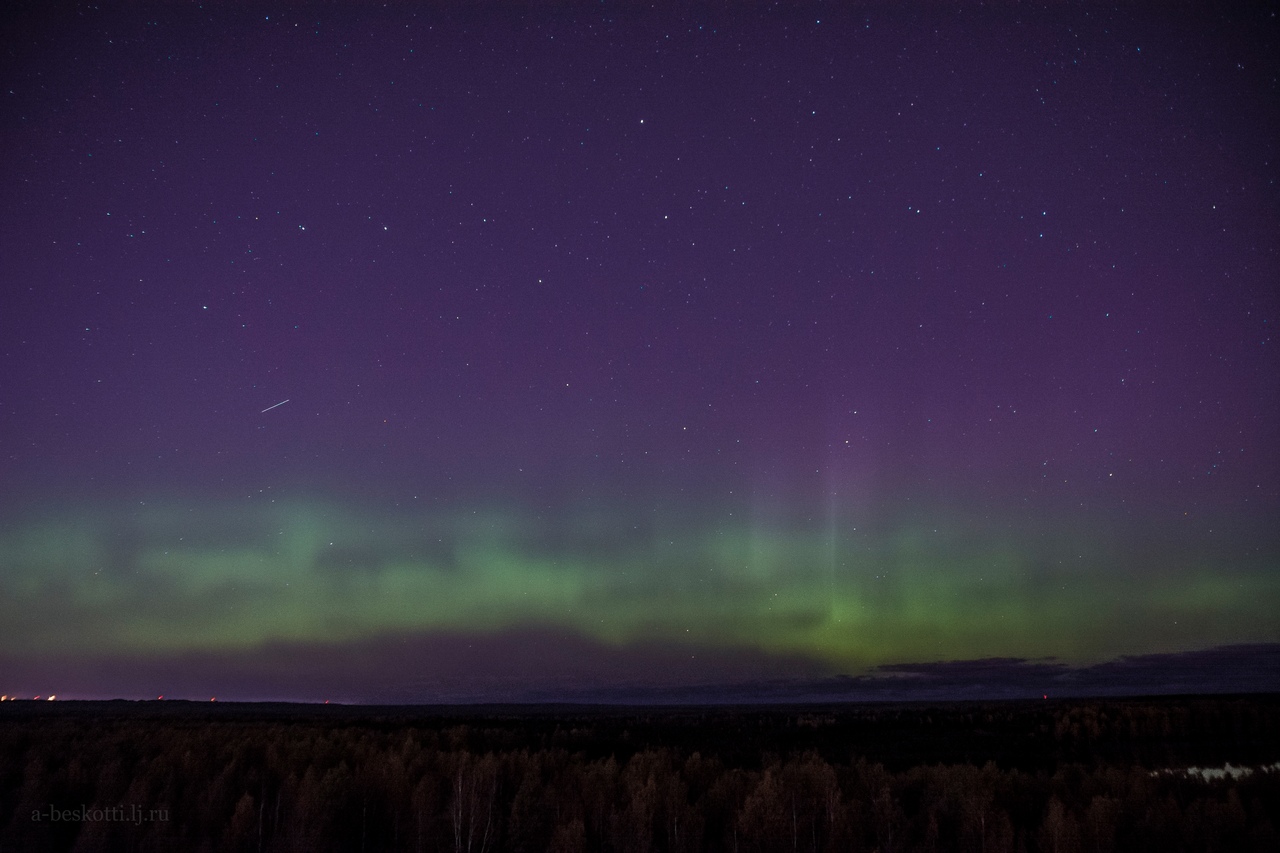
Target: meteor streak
(269, 408)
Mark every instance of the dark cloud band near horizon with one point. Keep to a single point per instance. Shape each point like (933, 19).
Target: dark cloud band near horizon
(539, 666)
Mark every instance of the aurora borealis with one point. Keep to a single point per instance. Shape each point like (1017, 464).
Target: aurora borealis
(629, 350)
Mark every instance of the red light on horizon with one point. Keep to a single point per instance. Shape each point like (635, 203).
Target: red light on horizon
(213, 698)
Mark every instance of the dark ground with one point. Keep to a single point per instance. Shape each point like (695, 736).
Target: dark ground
(1048, 775)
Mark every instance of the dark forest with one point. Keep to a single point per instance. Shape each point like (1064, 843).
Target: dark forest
(1051, 776)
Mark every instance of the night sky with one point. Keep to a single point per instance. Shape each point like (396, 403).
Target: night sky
(577, 351)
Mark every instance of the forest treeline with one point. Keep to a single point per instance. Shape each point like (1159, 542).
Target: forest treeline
(1072, 776)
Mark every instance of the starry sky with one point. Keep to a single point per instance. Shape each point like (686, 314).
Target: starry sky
(577, 350)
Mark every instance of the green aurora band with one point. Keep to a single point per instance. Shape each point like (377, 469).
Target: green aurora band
(158, 581)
